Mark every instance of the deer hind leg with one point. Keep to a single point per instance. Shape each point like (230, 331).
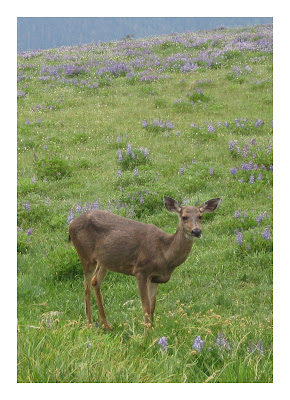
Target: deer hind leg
(87, 285)
(97, 279)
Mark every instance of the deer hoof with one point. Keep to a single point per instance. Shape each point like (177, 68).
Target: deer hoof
(107, 327)
(148, 325)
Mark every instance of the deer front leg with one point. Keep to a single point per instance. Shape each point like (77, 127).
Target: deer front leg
(152, 291)
(146, 306)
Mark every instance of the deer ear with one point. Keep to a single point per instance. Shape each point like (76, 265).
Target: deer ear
(210, 205)
(171, 204)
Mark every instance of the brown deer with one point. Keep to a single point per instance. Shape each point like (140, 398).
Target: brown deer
(107, 242)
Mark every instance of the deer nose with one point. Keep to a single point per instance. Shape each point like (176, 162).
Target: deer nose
(196, 232)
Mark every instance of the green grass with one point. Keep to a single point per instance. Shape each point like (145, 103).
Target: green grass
(68, 141)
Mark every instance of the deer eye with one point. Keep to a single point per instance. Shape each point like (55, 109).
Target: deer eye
(185, 218)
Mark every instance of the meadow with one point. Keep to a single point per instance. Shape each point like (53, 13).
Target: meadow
(115, 126)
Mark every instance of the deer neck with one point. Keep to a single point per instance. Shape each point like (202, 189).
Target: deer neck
(179, 248)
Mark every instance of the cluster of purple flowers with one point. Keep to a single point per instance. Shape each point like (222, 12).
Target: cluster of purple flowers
(221, 342)
(132, 154)
(21, 94)
(249, 150)
(138, 56)
(239, 234)
(28, 232)
(159, 124)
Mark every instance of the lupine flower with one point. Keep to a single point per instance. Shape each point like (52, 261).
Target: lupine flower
(231, 145)
(70, 217)
(198, 343)
(260, 218)
(222, 341)
(144, 123)
(129, 150)
(146, 152)
(29, 232)
(211, 171)
(233, 171)
(142, 200)
(181, 170)
(27, 206)
(119, 173)
(120, 155)
(259, 122)
(260, 347)
(79, 208)
(163, 343)
(210, 128)
(136, 172)
(266, 234)
(21, 94)
(239, 238)
(237, 214)
(251, 347)
(252, 179)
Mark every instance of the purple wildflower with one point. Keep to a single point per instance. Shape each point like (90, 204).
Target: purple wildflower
(21, 94)
(231, 145)
(198, 343)
(259, 122)
(233, 171)
(129, 150)
(144, 123)
(239, 238)
(163, 343)
(136, 172)
(211, 171)
(146, 152)
(260, 218)
(252, 179)
(181, 170)
(260, 347)
(222, 341)
(26, 206)
(120, 155)
(79, 208)
(29, 232)
(210, 128)
(266, 233)
(251, 347)
(119, 173)
(70, 216)
(237, 214)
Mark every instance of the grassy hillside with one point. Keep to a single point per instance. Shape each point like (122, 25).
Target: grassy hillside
(116, 126)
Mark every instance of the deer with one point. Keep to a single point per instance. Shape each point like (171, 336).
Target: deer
(108, 242)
